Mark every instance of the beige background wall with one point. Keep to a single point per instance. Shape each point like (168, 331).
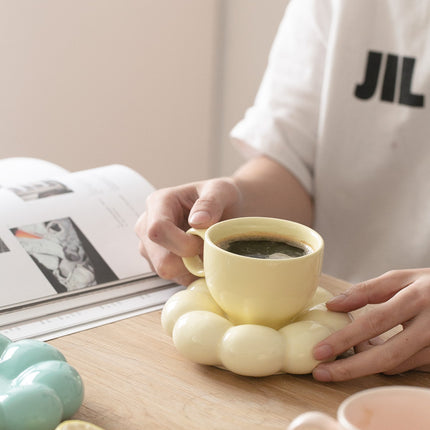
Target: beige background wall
(154, 84)
(249, 29)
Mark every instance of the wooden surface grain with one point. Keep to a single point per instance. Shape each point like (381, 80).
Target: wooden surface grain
(135, 379)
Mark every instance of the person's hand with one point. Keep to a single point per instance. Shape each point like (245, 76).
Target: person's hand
(170, 212)
(402, 297)
(261, 187)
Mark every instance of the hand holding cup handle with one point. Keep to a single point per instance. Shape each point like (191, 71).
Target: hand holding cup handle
(195, 264)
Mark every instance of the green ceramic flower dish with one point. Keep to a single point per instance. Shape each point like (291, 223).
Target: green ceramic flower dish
(38, 388)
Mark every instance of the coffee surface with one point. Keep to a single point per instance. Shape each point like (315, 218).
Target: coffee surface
(263, 247)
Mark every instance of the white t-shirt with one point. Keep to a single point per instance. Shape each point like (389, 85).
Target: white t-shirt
(344, 106)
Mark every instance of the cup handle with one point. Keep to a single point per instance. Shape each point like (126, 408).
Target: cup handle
(314, 421)
(195, 264)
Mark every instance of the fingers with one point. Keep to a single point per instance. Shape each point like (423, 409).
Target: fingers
(167, 265)
(368, 344)
(425, 368)
(163, 238)
(166, 234)
(419, 361)
(372, 359)
(404, 351)
(164, 257)
(164, 222)
(214, 197)
(170, 212)
(376, 290)
(372, 324)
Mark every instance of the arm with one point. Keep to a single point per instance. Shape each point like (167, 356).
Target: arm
(269, 189)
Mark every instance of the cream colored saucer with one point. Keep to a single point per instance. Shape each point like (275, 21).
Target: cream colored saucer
(77, 425)
(202, 333)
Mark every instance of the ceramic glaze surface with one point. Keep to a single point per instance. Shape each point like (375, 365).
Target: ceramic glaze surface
(38, 388)
(202, 333)
(77, 425)
(258, 291)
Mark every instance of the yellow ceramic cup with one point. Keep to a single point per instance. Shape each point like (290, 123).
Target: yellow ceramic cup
(258, 291)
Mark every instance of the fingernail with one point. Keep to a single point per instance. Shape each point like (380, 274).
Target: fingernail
(199, 217)
(323, 352)
(321, 374)
(337, 299)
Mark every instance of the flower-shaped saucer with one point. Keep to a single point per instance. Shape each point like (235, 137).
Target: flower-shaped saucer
(77, 425)
(38, 388)
(202, 332)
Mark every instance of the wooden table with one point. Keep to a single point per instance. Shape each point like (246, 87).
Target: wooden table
(135, 380)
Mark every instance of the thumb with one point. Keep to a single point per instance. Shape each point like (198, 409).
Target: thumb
(214, 197)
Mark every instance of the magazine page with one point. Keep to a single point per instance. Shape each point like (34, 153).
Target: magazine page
(21, 170)
(62, 234)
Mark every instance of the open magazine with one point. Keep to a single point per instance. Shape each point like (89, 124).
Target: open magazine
(69, 255)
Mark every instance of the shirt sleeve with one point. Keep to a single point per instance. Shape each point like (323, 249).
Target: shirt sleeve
(283, 122)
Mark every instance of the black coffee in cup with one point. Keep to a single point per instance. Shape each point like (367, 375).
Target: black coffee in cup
(265, 247)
